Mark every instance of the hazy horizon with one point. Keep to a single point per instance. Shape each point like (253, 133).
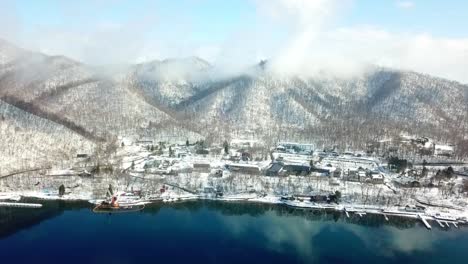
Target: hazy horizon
(297, 36)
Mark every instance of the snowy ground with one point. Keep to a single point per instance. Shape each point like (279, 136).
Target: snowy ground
(192, 184)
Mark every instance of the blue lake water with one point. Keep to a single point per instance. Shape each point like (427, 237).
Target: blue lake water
(209, 232)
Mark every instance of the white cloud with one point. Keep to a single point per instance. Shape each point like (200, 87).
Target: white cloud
(445, 57)
(300, 235)
(9, 22)
(315, 45)
(306, 21)
(298, 36)
(405, 4)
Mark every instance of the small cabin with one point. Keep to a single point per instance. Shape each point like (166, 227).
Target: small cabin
(377, 178)
(201, 167)
(407, 182)
(282, 169)
(244, 168)
(444, 150)
(144, 142)
(352, 175)
(202, 152)
(273, 169)
(295, 169)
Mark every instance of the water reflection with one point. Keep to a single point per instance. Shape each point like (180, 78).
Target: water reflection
(216, 229)
(13, 220)
(310, 234)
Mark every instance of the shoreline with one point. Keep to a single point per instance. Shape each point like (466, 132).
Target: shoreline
(443, 219)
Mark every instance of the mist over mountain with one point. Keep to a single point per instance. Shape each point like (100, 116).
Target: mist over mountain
(63, 106)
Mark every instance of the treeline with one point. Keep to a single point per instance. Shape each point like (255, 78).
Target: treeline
(57, 118)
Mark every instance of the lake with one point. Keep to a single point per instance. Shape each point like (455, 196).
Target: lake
(215, 232)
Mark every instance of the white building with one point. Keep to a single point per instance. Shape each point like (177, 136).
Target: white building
(443, 150)
(293, 147)
(245, 143)
(346, 163)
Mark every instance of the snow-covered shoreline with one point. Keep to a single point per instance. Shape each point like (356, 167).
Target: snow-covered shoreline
(455, 218)
(177, 174)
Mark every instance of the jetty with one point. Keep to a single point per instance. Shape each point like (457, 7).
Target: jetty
(385, 216)
(428, 226)
(440, 224)
(20, 205)
(347, 214)
(361, 213)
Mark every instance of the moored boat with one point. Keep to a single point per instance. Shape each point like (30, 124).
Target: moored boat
(120, 203)
(108, 208)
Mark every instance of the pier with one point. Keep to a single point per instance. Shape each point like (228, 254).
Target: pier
(385, 216)
(428, 226)
(20, 205)
(346, 211)
(441, 225)
(361, 214)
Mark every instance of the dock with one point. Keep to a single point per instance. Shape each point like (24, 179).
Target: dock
(447, 224)
(385, 216)
(347, 214)
(361, 214)
(441, 225)
(20, 205)
(428, 226)
(455, 224)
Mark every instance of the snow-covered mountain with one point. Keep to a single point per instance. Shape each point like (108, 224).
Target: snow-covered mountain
(373, 104)
(63, 101)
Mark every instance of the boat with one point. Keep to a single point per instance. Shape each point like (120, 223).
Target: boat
(122, 198)
(120, 203)
(127, 197)
(299, 204)
(109, 208)
(237, 197)
(413, 209)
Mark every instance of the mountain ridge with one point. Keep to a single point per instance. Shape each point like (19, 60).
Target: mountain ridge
(179, 99)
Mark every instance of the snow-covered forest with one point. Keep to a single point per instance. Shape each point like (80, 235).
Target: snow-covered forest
(52, 108)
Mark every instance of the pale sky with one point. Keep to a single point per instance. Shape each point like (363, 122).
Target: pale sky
(429, 36)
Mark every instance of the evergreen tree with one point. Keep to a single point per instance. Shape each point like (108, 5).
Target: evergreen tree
(449, 172)
(399, 164)
(61, 190)
(226, 147)
(201, 144)
(338, 195)
(465, 185)
(171, 152)
(424, 172)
